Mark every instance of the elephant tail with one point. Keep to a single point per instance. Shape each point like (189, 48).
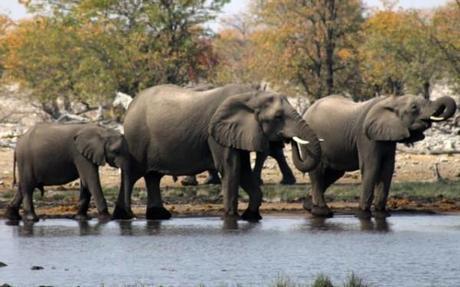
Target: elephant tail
(42, 190)
(14, 169)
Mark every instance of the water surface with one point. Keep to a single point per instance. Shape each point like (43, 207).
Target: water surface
(403, 251)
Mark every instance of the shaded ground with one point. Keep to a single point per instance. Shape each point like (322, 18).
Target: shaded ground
(415, 188)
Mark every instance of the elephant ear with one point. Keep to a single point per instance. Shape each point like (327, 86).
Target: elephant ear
(90, 143)
(235, 124)
(382, 123)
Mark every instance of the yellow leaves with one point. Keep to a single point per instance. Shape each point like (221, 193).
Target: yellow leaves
(344, 54)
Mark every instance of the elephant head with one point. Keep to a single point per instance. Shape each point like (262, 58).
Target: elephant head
(405, 118)
(249, 121)
(100, 146)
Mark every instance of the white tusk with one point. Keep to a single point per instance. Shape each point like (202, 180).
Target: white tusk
(436, 119)
(300, 141)
(321, 140)
(300, 151)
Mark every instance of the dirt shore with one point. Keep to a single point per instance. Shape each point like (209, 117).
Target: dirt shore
(416, 188)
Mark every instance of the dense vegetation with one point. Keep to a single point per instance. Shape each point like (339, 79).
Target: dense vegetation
(85, 51)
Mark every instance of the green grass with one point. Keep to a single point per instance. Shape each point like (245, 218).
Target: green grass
(283, 281)
(416, 191)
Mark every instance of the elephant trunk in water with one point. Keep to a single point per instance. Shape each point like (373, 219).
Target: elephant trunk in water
(442, 109)
(306, 149)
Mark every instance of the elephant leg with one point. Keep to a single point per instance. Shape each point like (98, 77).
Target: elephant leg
(261, 157)
(213, 177)
(249, 183)
(12, 210)
(231, 182)
(369, 174)
(155, 208)
(29, 210)
(89, 176)
(277, 153)
(189, 180)
(83, 206)
(321, 178)
(382, 188)
(227, 162)
(123, 205)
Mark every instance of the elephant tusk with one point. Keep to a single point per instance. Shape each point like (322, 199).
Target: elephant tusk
(300, 151)
(300, 141)
(437, 119)
(321, 140)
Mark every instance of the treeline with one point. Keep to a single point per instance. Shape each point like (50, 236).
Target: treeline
(84, 51)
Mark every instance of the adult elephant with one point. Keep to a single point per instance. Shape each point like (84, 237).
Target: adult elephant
(364, 136)
(176, 131)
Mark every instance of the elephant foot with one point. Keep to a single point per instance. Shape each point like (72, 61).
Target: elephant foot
(231, 216)
(324, 212)
(363, 214)
(82, 217)
(122, 213)
(381, 213)
(12, 213)
(157, 213)
(104, 216)
(288, 180)
(307, 204)
(251, 215)
(189, 181)
(30, 217)
(212, 180)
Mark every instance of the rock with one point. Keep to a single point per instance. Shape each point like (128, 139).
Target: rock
(6, 285)
(37, 268)
(3, 264)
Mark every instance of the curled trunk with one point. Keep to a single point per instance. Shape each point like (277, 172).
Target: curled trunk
(444, 108)
(306, 156)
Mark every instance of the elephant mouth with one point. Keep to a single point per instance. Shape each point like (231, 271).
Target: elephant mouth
(415, 136)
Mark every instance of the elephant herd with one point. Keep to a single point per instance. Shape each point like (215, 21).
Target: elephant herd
(169, 130)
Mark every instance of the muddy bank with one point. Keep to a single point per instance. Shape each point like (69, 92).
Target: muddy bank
(406, 197)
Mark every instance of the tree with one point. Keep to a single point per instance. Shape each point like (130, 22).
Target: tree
(5, 25)
(398, 54)
(311, 44)
(234, 50)
(445, 35)
(87, 50)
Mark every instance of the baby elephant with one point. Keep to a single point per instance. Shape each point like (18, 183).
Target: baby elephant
(54, 154)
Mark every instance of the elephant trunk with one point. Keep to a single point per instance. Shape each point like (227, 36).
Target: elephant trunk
(442, 109)
(305, 156)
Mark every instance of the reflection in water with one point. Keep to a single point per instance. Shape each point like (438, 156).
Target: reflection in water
(127, 228)
(233, 224)
(325, 224)
(378, 224)
(85, 228)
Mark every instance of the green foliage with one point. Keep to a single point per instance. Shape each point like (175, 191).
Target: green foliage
(322, 281)
(87, 50)
(354, 281)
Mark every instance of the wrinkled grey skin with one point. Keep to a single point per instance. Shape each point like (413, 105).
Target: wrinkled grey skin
(364, 136)
(176, 131)
(54, 154)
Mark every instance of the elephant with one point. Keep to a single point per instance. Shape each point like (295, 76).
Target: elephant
(176, 131)
(275, 151)
(54, 154)
(363, 136)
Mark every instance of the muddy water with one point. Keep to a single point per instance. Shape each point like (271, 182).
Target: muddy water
(404, 251)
